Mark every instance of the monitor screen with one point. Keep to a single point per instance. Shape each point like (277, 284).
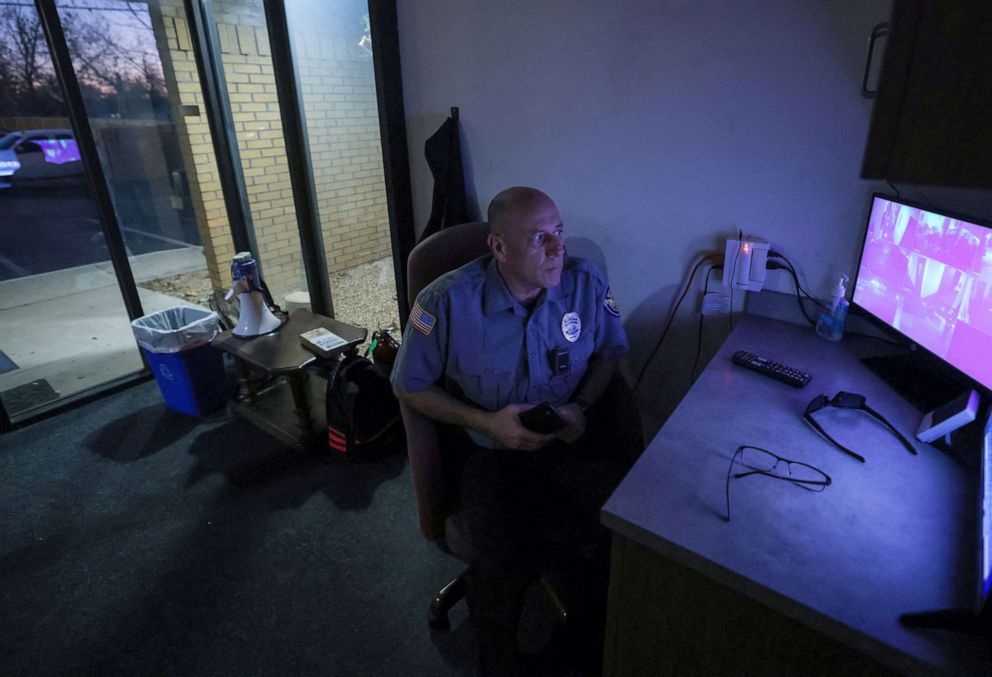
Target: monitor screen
(985, 517)
(928, 275)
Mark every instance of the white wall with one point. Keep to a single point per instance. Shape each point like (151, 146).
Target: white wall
(659, 128)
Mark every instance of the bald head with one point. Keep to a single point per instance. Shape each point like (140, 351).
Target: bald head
(525, 237)
(512, 205)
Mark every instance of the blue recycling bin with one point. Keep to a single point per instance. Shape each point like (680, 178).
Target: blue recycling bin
(189, 371)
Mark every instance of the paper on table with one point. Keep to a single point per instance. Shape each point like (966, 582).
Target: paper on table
(321, 340)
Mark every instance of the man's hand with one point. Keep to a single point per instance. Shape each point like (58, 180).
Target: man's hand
(505, 427)
(576, 423)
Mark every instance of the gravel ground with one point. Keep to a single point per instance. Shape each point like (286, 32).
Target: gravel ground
(193, 287)
(364, 296)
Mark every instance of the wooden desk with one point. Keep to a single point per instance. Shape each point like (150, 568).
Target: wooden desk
(288, 418)
(691, 593)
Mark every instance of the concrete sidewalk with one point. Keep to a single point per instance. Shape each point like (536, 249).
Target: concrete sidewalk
(70, 327)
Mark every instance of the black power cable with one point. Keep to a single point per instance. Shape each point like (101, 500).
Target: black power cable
(905, 345)
(671, 316)
(893, 187)
(792, 269)
(699, 336)
(775, 265)
(733, 276)
(786, 265)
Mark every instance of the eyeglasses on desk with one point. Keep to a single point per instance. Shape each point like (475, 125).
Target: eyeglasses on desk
(758, 461)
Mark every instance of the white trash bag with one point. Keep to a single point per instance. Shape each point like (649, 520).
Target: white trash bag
(176, 329)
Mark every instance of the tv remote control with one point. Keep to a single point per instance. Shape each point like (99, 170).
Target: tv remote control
(772, 369)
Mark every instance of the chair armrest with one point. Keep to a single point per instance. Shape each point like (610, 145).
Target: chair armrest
(424, 452)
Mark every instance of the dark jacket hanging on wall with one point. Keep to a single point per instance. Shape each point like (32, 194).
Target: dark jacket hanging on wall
(444, 157)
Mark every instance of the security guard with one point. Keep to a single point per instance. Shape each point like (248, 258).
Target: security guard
(503, 333)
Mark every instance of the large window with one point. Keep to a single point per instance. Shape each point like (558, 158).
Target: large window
(76, 268)
(63, 324)
(332, 47)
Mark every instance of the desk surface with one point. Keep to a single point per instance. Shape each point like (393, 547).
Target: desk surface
(281, 351)
(892, 535)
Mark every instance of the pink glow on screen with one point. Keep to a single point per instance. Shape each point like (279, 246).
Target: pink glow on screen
(930, 277)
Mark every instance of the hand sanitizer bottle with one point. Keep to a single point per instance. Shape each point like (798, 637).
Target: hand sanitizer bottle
(831, 325)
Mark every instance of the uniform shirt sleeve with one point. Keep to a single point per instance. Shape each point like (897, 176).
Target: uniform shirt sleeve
(421, 359)
(611, 340)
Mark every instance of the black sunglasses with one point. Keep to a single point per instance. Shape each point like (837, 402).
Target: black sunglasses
(760, 461)
(845, 400)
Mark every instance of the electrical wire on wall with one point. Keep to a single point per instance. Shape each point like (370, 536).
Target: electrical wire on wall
(733, 276)
(792, 269)
(702, 314)
(713, 259)
(777, 261)
(895, 190)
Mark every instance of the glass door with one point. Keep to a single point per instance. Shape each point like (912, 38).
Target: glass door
(64, 327)
(332, 63)
(332, 51)
(144, 120)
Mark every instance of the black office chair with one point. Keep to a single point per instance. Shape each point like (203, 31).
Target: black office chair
(436, 497)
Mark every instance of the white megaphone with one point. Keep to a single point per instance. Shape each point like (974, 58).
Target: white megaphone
(254, 316)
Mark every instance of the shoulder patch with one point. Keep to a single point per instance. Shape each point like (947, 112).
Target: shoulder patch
(610, 304)
(422, 320)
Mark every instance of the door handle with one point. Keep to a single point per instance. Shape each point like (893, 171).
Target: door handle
(879, 31)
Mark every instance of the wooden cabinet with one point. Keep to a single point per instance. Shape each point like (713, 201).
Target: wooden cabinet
(932, 119)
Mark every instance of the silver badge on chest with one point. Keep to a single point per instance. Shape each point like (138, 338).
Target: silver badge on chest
(571, 326)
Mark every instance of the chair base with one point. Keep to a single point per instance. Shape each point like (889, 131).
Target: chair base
(446, 598)
(452, 593)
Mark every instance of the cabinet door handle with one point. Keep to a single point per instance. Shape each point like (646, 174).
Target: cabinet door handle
(879, 31)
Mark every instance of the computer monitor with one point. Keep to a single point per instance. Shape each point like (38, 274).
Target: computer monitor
(985, 520)
(927, 274)
(978, 618)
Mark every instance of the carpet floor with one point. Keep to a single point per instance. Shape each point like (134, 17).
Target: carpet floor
(137, 540)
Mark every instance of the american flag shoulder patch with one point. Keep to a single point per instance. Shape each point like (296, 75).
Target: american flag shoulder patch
(422, 320)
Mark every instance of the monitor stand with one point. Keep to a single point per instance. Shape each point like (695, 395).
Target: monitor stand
(921, 379)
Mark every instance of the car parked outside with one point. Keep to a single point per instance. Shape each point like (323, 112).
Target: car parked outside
(38, 154)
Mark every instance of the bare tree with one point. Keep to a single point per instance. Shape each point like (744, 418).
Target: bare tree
(21, 26)
(117, 64)
(27, 80)
(106, 62)
(8, 79)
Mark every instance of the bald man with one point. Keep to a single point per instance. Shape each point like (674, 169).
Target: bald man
(524, 325)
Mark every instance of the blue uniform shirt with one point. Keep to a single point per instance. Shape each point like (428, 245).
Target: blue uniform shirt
(467, 327)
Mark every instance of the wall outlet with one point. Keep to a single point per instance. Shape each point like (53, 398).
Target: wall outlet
(744, 264)
(715, 303)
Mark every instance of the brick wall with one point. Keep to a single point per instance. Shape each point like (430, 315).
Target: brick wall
(339, 98)
(340, 103)
(179, 67)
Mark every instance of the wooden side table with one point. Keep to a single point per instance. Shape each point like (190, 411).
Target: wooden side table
(285, 416)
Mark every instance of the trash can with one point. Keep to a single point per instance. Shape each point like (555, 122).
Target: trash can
(189, 371)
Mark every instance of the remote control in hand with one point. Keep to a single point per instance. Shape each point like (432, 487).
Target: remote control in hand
(793, 377)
